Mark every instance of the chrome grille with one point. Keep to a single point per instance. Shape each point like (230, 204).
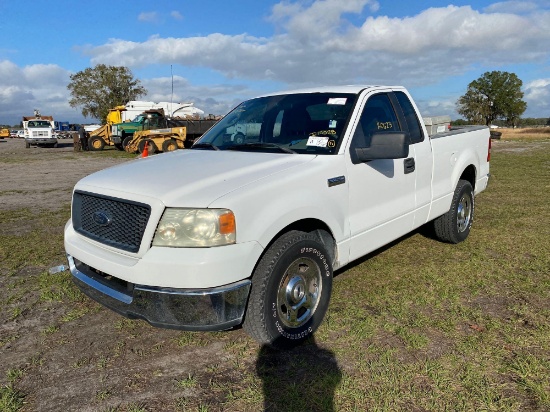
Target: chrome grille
(114, 222)
(40, 133)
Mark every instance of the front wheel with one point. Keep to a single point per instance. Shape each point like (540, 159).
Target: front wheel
(152, 147)
(454, 226)
(96, 143)
(291, 289)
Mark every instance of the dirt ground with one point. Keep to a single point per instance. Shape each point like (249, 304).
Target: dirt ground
(38, 177)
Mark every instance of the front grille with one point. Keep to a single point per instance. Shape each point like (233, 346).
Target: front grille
(114, 222)
(40, 133)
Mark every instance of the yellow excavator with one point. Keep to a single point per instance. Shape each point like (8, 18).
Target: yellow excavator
(102, 137)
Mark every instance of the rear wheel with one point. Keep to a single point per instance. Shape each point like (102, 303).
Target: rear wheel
(291, 289)
(169, 145)
(96, 143)
(454, 226)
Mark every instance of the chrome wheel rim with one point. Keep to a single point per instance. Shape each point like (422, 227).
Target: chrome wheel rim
(464, 212)
(299, 292)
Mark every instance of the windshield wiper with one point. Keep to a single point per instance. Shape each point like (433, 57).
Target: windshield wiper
(260, 146)
(205, 146)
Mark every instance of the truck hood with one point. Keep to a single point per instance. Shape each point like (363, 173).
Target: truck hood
(189, 178)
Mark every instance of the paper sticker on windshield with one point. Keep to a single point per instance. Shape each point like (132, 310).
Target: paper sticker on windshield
(319, 141)
(332, 124)
(337, 100)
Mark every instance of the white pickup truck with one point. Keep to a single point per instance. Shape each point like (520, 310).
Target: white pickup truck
(231, 233)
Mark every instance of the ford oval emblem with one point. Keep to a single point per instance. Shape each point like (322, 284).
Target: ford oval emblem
(102, 218)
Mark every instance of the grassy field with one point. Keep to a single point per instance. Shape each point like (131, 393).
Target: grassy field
(417, 326)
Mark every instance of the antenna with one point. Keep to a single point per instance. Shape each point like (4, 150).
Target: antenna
(172, 97)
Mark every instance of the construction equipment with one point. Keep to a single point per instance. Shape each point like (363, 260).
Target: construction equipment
(102, 136)
(164, 134)
(132, 118)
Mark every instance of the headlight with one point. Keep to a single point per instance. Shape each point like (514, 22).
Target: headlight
(195, 228)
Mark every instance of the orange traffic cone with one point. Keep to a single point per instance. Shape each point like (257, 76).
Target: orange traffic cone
(145, 152)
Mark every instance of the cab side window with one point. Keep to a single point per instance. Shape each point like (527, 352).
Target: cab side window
(378, 116)
(415, 131)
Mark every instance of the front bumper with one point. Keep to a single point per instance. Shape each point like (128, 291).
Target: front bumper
(216, 308)
(52, 140)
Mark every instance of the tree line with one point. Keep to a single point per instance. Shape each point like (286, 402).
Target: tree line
(522, 122)
(494, 98)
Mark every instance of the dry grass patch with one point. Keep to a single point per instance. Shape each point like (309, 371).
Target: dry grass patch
(533, 133)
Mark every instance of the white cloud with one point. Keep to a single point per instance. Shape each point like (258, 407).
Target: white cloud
(537, 96)
(176, 15)
(39, 86)
(516, 7)
(149, 17)
(318, 45)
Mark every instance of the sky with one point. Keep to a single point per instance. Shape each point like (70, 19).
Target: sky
(217, 53)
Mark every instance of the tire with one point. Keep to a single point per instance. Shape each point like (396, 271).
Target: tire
(118, 146)
(169, 145)
(152, 146)
(126, 141)
(96, 143)
(454, 226)
(239, 138)
(279, 313)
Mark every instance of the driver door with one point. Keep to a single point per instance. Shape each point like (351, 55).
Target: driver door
(382, 191)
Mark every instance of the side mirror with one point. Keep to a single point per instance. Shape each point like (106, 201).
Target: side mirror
(384, 145)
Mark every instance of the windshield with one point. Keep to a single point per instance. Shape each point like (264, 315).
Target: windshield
(39, 123)
(310, 123)
(138, 119)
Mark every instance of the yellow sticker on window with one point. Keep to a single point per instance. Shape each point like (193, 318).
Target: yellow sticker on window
(384, 125)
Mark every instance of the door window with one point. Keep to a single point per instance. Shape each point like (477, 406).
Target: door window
(378, 116)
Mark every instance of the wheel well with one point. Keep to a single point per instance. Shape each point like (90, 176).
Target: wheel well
(469, 174)
(317, 228)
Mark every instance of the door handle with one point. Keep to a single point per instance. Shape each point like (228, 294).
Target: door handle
(409, 165)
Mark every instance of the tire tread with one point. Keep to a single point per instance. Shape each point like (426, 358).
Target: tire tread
(255, 322)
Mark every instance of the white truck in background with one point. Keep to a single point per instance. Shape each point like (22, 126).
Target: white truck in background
(38, 130)
(250, 232)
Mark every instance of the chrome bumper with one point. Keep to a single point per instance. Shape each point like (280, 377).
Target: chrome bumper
(187, 309)
(42, 140)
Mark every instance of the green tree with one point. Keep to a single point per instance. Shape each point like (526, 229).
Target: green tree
(103, 87)
(495, 95)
